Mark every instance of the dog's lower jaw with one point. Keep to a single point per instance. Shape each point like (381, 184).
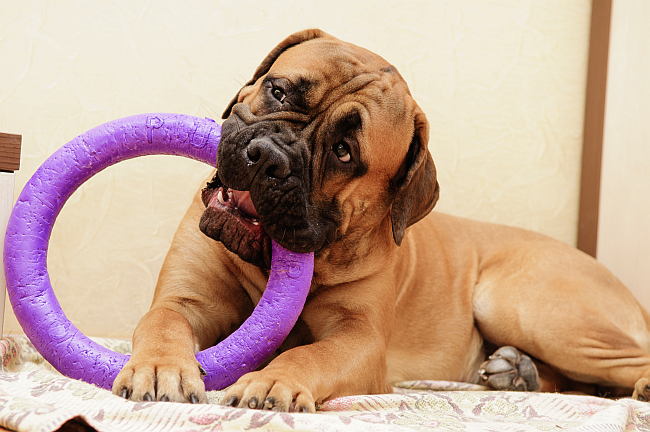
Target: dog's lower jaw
(245, 221)
(239, 230)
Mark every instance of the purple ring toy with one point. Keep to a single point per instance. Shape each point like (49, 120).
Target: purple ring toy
(30, 226)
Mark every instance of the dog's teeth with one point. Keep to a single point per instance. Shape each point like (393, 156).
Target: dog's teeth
(220, 197)
(256, 222)
(230, 195)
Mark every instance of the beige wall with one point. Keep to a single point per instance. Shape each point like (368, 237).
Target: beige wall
(6, 203)
(502, 82)
(623, 229)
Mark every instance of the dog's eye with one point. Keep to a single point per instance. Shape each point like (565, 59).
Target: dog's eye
(278, 93)
(342, 151)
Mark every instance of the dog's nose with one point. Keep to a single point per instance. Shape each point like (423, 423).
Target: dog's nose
(263, 154)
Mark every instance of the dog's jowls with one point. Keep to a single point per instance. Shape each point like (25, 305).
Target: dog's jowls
(325, 150)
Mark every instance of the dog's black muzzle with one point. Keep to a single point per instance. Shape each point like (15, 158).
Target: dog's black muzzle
(264, 150)
(268, 157)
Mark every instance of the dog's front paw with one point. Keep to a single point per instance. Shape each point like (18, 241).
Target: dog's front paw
(509, 369)
(168, 379)
(270, 391)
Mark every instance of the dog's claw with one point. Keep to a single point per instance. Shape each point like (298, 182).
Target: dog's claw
(147, 397)
(125, 393)
(232, 401)
(509, 369)
(194, 399)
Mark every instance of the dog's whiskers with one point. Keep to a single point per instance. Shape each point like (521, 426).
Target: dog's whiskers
(213, 113)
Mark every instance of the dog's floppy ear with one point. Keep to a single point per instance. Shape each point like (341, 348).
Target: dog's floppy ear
(263, 68)
(416, 182)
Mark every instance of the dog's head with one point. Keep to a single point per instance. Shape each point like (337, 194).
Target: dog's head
(324, 143)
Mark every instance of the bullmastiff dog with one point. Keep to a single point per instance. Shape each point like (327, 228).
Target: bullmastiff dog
(325, 150)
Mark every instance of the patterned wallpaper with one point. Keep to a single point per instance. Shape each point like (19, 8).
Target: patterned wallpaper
(502, 83)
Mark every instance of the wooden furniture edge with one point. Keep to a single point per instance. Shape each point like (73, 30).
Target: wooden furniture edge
(594, 122)
(10, 152)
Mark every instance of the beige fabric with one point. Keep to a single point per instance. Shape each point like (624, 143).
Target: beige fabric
(35, 398)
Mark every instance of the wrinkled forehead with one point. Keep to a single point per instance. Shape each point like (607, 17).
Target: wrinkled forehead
(331, 55)
(322, 66)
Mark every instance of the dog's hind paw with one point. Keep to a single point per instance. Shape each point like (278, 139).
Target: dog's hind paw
(642, 390)
(509, 369)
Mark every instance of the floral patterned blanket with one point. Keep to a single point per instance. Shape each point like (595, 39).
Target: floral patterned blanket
(35, 398)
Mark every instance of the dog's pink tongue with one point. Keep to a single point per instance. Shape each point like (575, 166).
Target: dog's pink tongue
(244, 203)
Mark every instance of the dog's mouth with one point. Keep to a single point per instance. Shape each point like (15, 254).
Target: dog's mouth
(230, 217)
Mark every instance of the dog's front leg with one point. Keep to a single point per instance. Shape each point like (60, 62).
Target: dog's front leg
(346, 363)
(197, 302)
(163, 366)
(348, 357)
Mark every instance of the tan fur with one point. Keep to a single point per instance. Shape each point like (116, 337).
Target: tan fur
(379, 313)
